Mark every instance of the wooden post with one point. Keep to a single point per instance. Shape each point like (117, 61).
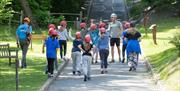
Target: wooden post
(21, 17)
(80, 16)
(17, 75)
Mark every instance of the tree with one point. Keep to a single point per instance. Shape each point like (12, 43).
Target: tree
(5, 9)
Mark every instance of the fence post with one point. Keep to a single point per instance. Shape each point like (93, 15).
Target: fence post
(80, 16)
(17, 75)
(21, 17)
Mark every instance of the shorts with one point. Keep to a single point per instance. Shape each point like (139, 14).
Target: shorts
(115, 41)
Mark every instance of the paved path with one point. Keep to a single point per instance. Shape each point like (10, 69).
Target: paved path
(117, 79)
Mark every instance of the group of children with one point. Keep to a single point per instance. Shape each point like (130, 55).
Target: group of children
(89, 43)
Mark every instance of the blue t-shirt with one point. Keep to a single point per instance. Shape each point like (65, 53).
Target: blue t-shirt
(22, 30)
(75, 45)
(51, 46)
(94, 36)
(103, 43)
(123, 37)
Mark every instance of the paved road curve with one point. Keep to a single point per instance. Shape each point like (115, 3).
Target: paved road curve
(117, 79)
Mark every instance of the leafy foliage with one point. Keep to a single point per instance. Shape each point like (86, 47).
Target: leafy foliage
(5, 9)
(176, 40)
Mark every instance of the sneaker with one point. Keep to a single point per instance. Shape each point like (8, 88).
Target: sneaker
(102, 72)
(89, 78)
(79, 73)
(92, 62)
(130, 69)
(50, 75)
(112, 61)
(119, 60)
(85, 78)
(123, 60)
(74, 72)
(133, 69)
(105, 71)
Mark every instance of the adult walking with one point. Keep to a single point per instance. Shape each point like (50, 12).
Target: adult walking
(23, 39)
(115, 28)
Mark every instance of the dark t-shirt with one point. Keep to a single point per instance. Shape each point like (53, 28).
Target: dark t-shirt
(76, 43)
(87, 48)
(130, 36)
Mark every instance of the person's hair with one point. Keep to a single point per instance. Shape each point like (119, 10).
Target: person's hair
(132, 30)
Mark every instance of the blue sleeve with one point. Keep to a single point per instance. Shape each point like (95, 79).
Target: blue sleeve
(30, 29)
(58, 46)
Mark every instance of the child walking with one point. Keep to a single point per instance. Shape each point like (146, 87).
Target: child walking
(94, 33)
(133, 47)
(76, 54)
(84, 30)
(103, 46)
(86, 48)
(63, 38)
(51, 44)
(124, 41)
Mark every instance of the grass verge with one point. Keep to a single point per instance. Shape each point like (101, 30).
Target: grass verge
(164, 57)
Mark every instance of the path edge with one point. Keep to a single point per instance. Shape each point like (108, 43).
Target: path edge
(49, 81)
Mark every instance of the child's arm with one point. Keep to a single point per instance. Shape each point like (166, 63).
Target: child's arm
(80, 47)
(70, 35)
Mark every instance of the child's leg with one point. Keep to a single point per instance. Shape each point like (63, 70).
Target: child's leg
(123, 52)
(73, 61)
(135, 59)
(56, 64)
(105, 58)
(65, 47)
(101, 58)
(85, 65)
(61, 49)
(78, 61)
(50, 65)
(96, 54)
(89, 59)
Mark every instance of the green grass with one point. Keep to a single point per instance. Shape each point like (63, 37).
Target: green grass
(164, 57)
(163, 25)
(32, 78)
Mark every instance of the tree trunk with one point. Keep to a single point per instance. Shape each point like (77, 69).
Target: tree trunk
(28, 12)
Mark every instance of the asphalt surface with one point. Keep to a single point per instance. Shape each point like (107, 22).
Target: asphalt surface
(118, 78)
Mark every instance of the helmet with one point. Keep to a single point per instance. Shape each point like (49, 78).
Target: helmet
(87, 38)
(51, 26)
(50, 31)
(113, 15)
(83, 25)
(127, 25)
(27, 19)
(102, 30)
(78, 35)
(93, 26)
(54, 33)
(102, 25)
(63, 23)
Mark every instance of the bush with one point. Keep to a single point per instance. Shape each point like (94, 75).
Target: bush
(176, 40)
